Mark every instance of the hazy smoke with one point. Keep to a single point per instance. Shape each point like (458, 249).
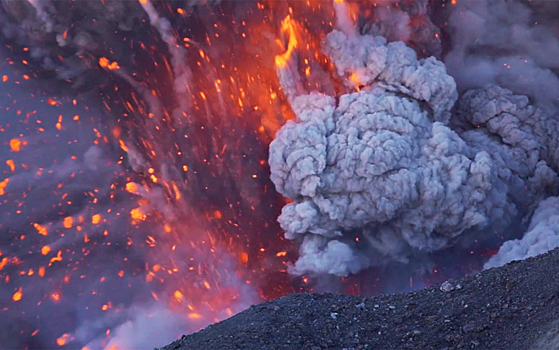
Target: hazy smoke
(542, 236)
(510, 43)
(382, 173)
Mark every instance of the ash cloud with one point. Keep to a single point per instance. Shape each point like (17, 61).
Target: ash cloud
(514, 44)
(405, 167)
(542, 236)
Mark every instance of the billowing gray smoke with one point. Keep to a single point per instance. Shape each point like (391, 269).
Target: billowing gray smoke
(399, 170)
(541, 237)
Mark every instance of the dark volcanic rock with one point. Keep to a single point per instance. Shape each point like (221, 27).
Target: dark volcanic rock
(513, 307)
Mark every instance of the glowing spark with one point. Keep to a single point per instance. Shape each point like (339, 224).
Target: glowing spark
(62, 340)
(131, 187)
(287, 25)
(68, 222)
(354, 79)
(17, 295)
(137, 214)
(15, 145)
(4, 78)
(11, 164)
(45, 250)
(95, 219)
(178, 295)
(58, 257)
(41, 229)
(3, 185)
(281, 254)
(105, 63)
(3, 263)
(123, 145)
(194, 316)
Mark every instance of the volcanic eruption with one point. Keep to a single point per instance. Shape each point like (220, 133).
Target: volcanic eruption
(169, 164)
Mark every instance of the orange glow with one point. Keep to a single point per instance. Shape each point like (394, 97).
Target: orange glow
(68, 222)
(288, 27)
(45, 250)
(123, 145)
(194, 316)
(105, 63)
(3, 185)
(281, 254)
(354, 79)
(4, 78)
(15, 145)
(17, 295)
(41, 229)
(131, 187)
(52, 102)
(96, 219)
(11, 164)
(137, 214)
(58, 257)
(62, 340)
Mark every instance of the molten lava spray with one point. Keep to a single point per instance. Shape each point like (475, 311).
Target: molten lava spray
(150, 148)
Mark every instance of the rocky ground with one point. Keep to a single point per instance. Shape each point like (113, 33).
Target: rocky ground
(513, 307)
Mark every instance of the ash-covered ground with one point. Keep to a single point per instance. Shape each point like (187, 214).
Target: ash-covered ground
(511, 307)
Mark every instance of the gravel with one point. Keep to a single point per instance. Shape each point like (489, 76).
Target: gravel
(512, 307)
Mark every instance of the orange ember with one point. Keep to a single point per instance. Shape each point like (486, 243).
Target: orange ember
(40, 229)
(17, 295)
(15, 145)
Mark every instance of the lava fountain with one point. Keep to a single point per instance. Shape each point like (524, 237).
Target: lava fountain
(136, 195)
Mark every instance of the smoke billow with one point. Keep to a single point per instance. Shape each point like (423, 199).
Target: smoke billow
(542, 236)
(398, 170)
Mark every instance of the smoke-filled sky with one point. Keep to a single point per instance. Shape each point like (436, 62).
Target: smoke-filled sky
(167, 164)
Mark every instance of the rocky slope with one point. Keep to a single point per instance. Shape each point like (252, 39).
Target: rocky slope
(512, 307)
